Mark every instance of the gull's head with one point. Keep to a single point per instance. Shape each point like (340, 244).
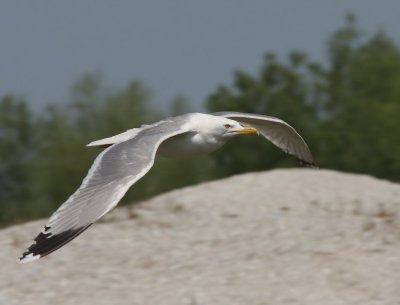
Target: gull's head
(219, 126)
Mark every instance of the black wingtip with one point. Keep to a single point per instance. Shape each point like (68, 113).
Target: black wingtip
(46, 243)
(308, 164)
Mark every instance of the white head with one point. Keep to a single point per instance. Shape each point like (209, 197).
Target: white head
(219, 126)
(209, 132)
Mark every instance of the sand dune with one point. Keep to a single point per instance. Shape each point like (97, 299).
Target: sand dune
(277, 237)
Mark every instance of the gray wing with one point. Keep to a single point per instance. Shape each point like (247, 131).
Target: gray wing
(278, 132)
(121, 137)
(111, 175)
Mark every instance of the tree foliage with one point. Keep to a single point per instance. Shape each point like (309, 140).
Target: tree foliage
(347, 109)
(16, 150)
(45, 158)
(361, 131)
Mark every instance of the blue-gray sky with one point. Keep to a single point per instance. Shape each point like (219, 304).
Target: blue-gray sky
(174, 46)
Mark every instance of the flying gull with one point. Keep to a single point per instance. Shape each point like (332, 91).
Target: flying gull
(128, 156)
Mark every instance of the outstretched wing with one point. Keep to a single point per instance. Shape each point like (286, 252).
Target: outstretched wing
(278, 132)
(111, 175)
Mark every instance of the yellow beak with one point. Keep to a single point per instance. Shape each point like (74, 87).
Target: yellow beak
(248, 130)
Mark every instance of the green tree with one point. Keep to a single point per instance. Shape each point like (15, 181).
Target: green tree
(16, 151)
(363, 104)
(347, 109)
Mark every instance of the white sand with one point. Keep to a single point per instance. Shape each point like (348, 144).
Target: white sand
(279, 237)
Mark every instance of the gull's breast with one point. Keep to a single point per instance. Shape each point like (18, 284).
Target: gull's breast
(189, 144)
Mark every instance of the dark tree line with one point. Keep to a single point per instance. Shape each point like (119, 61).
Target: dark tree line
(347, 109)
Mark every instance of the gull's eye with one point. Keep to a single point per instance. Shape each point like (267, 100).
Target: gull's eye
(227, 126)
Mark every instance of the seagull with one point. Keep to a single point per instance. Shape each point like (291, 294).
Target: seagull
(128, 156)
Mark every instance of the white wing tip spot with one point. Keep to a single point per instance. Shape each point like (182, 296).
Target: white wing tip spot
(28, 258)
